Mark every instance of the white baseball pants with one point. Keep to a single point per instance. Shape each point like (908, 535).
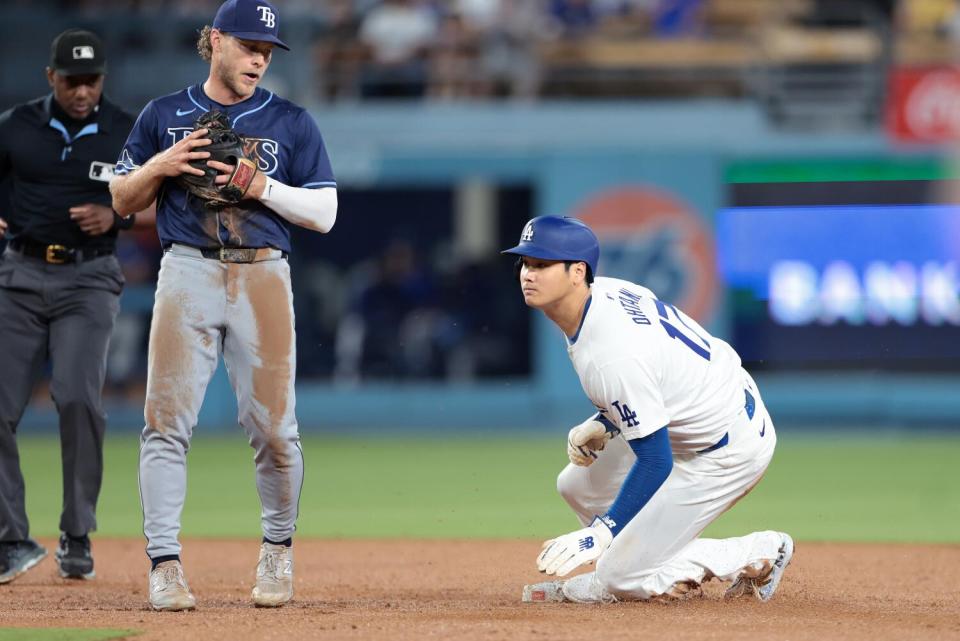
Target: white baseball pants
(659, 548)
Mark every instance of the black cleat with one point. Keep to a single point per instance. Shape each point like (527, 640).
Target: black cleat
(73, 557)
(16, 557)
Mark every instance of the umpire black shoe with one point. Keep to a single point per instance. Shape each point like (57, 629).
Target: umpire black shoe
(73, 557)
(16, 557)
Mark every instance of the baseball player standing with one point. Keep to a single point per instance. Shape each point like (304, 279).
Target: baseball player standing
(60, 286)
(224, 285)
(680, 435)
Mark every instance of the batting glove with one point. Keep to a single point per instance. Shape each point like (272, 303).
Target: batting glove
(585, 440)
(565, 553)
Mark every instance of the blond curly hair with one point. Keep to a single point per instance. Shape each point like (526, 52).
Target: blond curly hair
(204, 48)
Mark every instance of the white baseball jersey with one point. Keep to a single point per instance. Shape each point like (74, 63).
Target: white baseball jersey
(645, 365)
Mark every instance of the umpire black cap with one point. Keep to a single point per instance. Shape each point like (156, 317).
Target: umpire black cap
(76, 52)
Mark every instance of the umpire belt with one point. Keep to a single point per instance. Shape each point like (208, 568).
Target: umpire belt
(57, 254)
(230, 254)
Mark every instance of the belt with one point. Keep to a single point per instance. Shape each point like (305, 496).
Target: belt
(57, 254)
(235, 254)
(750, 406)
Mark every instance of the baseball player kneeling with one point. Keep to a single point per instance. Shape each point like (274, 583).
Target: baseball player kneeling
(681, 434)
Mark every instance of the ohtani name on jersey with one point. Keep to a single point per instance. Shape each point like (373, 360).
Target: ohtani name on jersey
(266, 150)
(630, 301)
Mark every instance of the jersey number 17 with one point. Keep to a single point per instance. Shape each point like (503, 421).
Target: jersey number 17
(672, 319)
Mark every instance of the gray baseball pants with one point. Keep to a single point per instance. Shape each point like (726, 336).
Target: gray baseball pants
(64, 313)
(245, 310)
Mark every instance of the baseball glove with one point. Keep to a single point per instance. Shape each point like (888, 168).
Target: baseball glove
(226, 146)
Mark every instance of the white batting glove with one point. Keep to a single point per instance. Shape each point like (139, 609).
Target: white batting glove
(585, 440)
(566, 553)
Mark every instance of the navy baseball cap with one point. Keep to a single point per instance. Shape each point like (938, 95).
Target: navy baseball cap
(558, 238)
(76, 52)
(250, 20)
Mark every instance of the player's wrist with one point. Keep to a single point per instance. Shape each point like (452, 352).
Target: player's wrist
(606, 528)
(258, 186)
(585, 440)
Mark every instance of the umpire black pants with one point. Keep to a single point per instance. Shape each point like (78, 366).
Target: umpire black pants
(64, 313)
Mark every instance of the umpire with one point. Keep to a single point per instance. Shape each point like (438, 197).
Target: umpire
(60, 286)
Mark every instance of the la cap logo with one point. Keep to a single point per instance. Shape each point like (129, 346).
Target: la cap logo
(527, 234)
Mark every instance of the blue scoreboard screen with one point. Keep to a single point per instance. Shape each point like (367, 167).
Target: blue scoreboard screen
(843, 274)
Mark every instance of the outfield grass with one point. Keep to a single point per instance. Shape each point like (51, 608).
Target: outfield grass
(848, 488)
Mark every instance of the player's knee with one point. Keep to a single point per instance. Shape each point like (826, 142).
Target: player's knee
(76, 393)
(622, 581)
(76, 404)
(571, 486)
(282, 452)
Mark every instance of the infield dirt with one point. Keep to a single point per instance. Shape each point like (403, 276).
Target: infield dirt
(468, 590)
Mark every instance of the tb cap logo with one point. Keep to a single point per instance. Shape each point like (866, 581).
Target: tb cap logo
(267, 16)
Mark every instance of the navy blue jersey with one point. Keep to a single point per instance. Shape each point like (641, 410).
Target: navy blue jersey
(284, 138)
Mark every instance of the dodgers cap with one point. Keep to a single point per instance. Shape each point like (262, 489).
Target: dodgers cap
(558, 238)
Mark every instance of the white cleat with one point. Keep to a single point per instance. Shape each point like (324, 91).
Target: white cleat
(580, 589)
(765, 585)
(168, 588)
(547, 592)
(274, 576)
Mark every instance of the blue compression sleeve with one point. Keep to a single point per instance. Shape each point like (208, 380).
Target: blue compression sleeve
(649, 471)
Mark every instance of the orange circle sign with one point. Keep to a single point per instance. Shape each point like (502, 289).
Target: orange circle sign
(650, 237)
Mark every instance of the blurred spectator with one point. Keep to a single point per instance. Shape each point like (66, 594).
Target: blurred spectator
(574, 18)
(398, 34)
(397, 298)
(454, 63)
(475, 49)
(485, 325)
(509, 59)
(673, 18)
(338, 54)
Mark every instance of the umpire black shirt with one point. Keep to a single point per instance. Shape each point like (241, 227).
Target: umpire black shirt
(55, 163)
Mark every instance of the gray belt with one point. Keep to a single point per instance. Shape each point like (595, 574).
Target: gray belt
(230, 254)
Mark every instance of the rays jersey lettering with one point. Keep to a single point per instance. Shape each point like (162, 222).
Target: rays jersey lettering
(285, 139)
(264, 149)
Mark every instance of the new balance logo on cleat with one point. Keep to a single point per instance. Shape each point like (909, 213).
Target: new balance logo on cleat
(586, 543)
